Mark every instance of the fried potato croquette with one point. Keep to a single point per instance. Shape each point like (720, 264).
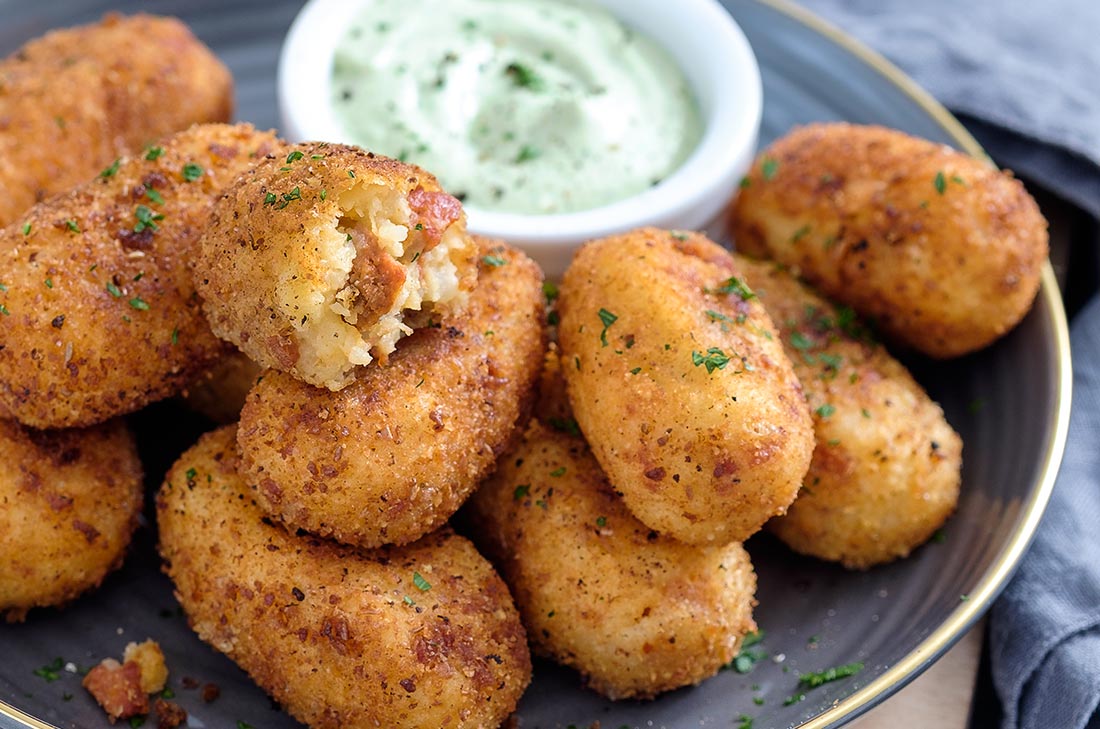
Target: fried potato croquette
(344, 253)
(391, 457)
(942, 251)
(69, 503)
(73, 101)
(887, 467)
(100, 315)
(425, 635)
(681, 386)
(219, 392)
(636, 613)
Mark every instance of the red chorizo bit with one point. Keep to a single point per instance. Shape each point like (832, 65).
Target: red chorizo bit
(169, 714)
(210, 692)
(435, 211)
(117, 688)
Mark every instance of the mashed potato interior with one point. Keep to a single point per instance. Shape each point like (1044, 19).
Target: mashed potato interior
(381, 264)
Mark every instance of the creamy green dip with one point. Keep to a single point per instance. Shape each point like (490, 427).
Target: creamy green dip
(523, 106)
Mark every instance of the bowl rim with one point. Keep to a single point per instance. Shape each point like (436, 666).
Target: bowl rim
(994, 580)
(721, 156)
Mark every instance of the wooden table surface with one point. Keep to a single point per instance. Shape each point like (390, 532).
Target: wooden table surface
(940, 697)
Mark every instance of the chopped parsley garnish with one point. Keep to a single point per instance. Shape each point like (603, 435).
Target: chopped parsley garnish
(168, 694)
(794, 699)
(601, 521)
(718, 316)
(287, 198)
(146, 218)
(4, 310)
(745, 182)
(138, 303)
(744, 722)
(494, 261)
(714, 359)
(244, 725)
(523, 76)
(825, 410)
(72, 225)
(49, 283)
(568, 425)
(813, 680)
(636, 370)
(746, 658)
(26, 228)
(324, 194)
(175, 336)
(421, 584)
(940, 182)
(558, 472)
(51, 671)
(113, 290)
(191, 172)
(800, 342)
(939, 537)
(136, 721)
(527, 153)
(521, 491)
(607, 319)
(733, 285)
(351, 174)
(769, 167)
(801, 233)
(550, 291)
(110, 171)
(154, 153)
(155, 196)
(294, 156)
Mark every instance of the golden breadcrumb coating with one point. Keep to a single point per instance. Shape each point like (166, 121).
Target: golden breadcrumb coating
(681, 386)
(635, 612)
(887, 466)
(391, 457)
(424, 635)
(942, 251)
(98, 313)
(69, 503)
(74, 100)
(343, 252)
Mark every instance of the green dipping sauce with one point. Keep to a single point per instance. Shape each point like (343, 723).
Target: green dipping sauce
(520, 106)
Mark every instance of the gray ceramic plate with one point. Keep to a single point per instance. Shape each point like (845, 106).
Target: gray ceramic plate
(1010, 403)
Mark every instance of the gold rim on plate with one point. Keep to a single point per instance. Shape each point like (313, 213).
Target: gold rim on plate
(1032, 510)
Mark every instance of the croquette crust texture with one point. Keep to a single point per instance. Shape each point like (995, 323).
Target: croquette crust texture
(74, 100)
(942, 251)
(99, 313)
(425, 635)
(69, 503)
(681, 386)
(339, 247)
(887, 466)
(392, 456)
(635, 612)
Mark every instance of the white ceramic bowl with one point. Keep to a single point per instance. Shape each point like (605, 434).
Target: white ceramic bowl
(702, 38)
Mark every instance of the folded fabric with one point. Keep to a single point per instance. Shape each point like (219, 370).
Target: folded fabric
(1023, 78)
(1016, 71)
(1045, 629)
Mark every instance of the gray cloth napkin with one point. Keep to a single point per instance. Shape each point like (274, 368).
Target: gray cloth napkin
(1017, 72)
(1024, 76)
